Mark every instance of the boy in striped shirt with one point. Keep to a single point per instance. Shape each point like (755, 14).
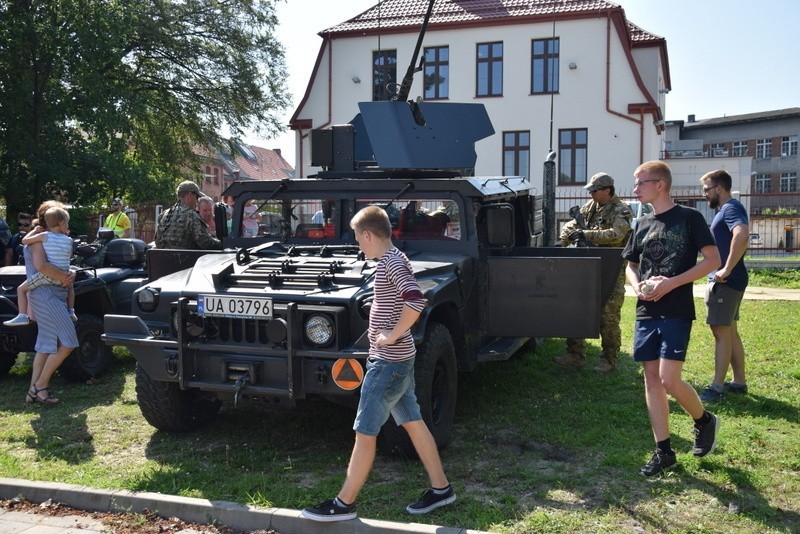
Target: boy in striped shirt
(388, 386)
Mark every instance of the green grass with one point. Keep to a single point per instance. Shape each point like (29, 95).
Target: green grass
(537, 448)
(786, 278)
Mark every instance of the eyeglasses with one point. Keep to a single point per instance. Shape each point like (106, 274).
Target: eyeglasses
(709, 188)
(23, 224)
(640, 182)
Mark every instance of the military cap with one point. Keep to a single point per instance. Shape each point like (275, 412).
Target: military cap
(188, 187)
(600, 180)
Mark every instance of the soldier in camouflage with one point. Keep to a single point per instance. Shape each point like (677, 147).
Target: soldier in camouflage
(608, 224)
(181, 227)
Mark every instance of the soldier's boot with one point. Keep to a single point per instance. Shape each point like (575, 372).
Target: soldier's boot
(607, 363)
(576, 361)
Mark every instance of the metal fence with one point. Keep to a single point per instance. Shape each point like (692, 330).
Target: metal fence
(774, 217)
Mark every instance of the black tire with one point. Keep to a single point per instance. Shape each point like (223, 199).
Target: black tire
(168, 407)
(92, 357)
(7, 360)
(436, 376)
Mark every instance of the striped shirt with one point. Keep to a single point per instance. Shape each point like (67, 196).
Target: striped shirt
(395, 287)
(58, 248)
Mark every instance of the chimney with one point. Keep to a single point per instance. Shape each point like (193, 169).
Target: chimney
(277, 151)
(691, 118)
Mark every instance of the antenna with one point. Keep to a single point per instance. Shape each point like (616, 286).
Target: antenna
(408, 79)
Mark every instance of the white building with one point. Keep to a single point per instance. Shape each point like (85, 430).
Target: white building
(603, 78)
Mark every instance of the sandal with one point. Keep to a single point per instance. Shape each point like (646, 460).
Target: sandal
(30, 398)
(49, 399)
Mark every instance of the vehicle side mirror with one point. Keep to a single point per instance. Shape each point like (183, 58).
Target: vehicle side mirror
(500, 225)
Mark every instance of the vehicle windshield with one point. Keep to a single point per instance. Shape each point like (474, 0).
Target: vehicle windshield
(421, 219)
(316, 218)
(279, 218)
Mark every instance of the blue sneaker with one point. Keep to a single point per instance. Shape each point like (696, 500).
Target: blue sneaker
(19, 320)
(711, 395)
(733, 387)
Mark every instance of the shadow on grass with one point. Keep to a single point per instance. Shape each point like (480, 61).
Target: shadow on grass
(60, 431)
(277, 451)
(739, 496)
(757, 405)
(576, 443)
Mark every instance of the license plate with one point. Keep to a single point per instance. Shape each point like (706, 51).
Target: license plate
(234, 307)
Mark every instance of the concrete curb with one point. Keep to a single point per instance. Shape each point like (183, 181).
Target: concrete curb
(234, 515)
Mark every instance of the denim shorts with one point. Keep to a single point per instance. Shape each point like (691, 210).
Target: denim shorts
(722, 304)
(388, 388)
(661, 338)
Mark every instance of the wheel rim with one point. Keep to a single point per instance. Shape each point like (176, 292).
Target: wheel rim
(90, 347)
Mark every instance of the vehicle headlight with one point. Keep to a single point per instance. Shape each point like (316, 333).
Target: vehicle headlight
(147, 299)
(319, 329)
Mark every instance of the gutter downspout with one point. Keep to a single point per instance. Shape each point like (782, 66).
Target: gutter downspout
(640, 121)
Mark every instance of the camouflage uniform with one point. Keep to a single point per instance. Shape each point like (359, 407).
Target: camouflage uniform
(607, 226)
(181, 227)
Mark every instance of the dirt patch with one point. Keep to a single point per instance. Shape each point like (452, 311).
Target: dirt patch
(122, 523)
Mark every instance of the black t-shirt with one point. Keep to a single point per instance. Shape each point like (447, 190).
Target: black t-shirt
(15, 244)
(667, 244)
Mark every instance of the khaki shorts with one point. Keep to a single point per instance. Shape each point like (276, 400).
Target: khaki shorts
(722, 304)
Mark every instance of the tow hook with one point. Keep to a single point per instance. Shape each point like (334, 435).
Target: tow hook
(239, 386)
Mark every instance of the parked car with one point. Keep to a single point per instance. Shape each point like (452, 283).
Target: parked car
(755, 241)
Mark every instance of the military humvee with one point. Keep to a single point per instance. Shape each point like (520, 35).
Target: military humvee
(282, 314)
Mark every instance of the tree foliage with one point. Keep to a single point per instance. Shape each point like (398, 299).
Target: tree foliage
(103, 98)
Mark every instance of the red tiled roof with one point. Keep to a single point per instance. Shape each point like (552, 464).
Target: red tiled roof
(640, 36)
(267, 165)
(400, 14)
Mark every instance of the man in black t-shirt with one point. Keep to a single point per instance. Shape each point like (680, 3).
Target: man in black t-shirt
(662, 264)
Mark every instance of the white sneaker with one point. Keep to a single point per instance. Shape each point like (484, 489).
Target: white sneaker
(19, 320)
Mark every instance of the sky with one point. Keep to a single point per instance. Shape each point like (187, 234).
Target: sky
(726, 57)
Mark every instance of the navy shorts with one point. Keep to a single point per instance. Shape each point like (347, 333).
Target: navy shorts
(654, 339)
(388, 388)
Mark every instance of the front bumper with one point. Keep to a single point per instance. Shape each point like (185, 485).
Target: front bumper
(273, 372)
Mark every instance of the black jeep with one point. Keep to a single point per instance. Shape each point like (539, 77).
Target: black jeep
(283, 316)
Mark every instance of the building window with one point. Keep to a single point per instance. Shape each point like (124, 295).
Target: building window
(544, 66)
(718, 150)
(516, 154)
(763, 148)
(788, 182)
(489, 75)
(572, 148)
(216, 176)
(763, 183)
(789, 146)
(740, 148)
(208, 174)
(437, 72)
(384, 74)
